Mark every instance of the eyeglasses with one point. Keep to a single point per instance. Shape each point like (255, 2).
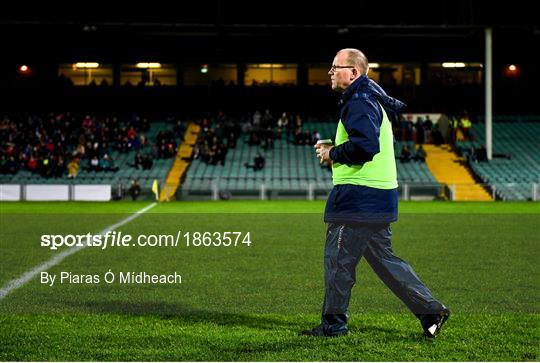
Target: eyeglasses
(334, 67)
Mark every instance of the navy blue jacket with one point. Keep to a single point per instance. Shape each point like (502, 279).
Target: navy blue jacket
(362, 117)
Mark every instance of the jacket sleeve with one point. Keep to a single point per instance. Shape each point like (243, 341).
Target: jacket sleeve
(362, 121)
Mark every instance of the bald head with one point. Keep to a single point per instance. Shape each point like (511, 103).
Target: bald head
(349, 65)
(356, 58)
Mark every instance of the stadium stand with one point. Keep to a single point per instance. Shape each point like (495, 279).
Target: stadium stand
(289, 169)
(199, 163)
(19, 145)
(514, 171)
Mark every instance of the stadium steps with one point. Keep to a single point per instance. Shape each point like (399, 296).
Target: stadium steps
(180, 165)
(515, 166)
(448, 169)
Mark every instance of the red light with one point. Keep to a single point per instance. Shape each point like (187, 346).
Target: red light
(512, 71)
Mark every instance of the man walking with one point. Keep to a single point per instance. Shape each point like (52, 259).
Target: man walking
(363, 202)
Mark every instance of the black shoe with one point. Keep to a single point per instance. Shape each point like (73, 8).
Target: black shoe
(432, 323)
(320, 331)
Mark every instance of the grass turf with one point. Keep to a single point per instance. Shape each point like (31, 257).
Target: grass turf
(248, 303)
(269, 206)
(223, 337)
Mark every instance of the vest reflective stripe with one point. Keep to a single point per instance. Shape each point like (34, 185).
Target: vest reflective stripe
(378, 173)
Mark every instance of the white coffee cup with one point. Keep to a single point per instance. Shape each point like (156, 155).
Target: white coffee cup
(325, 142)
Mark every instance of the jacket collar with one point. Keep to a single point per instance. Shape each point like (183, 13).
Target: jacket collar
(367, 86)
(353, 88)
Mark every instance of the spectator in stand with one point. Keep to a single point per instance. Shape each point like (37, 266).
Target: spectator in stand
(428, 126)
(32, 164)
(59, 167)
(145, 125)
(218, 131)
(179, 129)
(298, 121)
(135, 189)
(257, 120)
(419, 127)
(307, 138)
(73, 168)
(283, 123)
(292, 127)
(409, 129)
(45, 168)
(299, 137)
(133, 139)
(405, 155)
(219, 155)
(147, 162)
(93, 164)
(107, 163)
(402, 127)
(247, 127)
(196, 151)
(268, 139)
(231, 141)
(258, 164)
(81, 150)
(205, 125)
(88, 122)
(11, 166)
(138, 161)
(267, 119)
(420, 154)
(465, 124)
(454, 126)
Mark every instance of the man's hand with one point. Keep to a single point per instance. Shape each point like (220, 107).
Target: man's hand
(323, 152)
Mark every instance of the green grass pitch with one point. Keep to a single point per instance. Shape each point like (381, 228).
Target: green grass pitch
(249, 302)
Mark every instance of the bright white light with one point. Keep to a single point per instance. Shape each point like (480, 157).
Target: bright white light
(148, 65)
(86, 65)
(453, 65)
(23, 68)
(512, 68)
(374, 65)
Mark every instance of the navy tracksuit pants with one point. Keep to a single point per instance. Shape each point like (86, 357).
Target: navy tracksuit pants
(345, 245)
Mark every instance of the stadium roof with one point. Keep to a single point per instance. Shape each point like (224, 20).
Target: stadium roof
(286, 31)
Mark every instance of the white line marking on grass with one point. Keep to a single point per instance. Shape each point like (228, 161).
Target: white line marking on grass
(55, 260)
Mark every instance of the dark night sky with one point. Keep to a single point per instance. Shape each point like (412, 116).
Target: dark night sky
(286, 31)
